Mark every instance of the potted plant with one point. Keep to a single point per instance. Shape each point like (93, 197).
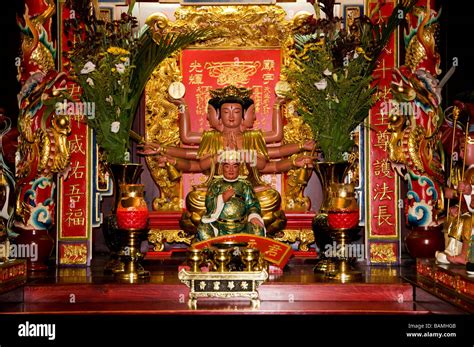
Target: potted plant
(332, 77)
(333, 84)
(112, 62)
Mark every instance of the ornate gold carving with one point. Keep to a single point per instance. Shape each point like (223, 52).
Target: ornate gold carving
(295, 128)
(161, 126)
(423, 44)
(74, 255)
(232, 72)
(53, 145)
(239, 26)
(305, 236)
(158, 238)
(382, 253)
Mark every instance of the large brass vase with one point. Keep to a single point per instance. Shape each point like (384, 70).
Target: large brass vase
(124, 174)
(337, 221)
(330, 173)
(132, 222)
(128, 173)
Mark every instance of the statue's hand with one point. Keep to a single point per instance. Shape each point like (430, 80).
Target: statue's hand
(280, 100)
(465, 188)
(309, 145)
(453, 211)
(449, 193)
(304, 160)
(177, 102)
(228, 194)
(257, 222)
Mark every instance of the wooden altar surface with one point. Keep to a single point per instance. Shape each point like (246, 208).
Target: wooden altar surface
(297, 291)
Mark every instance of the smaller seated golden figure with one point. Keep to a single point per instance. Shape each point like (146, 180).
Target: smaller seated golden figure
(232, 206)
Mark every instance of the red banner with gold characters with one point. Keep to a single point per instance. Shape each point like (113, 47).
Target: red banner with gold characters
(382, 190)
(74, 239)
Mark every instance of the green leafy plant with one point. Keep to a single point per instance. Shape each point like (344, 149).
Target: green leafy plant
(112, 62)
(332, 75)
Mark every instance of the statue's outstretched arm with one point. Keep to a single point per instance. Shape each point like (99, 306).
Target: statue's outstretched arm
(151, 148)
(287, 164)
(191, 165)
(276, 134)
(193, 137)
(290, 149)
(185, 134)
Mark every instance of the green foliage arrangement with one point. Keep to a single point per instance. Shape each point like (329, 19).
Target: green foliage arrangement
(112, 62)
(332, 76)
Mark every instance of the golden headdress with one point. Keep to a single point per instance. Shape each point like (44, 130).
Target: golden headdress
(231, 93)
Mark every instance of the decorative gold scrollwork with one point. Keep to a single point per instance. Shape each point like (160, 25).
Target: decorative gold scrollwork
(158, 238)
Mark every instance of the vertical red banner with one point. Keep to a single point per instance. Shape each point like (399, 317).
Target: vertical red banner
(382, 191)
(74, 238)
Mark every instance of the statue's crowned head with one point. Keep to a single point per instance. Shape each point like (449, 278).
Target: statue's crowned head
(230, 95)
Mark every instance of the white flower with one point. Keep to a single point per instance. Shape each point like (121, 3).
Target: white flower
(120, 68)
(126, 61)
(89, 67)
(356, 55)
(109, 99)
(115, 127)
(321, 85)
(90, 81)
(327, 72)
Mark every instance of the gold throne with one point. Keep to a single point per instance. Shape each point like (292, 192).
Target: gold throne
(252, 48)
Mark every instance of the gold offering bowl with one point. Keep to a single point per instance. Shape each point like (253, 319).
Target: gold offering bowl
(250, 257)
(222, 257)
(195, 259)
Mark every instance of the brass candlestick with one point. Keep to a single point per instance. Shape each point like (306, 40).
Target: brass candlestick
(341, 270)
(131, 256)
(222, 258)
(195, 259)
(249, 258)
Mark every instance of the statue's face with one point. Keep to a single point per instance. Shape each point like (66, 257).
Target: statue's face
(231, 115)
(230, 170)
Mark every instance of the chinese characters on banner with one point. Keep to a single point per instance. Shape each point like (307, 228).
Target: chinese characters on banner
(74, 240)
(382, 228)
